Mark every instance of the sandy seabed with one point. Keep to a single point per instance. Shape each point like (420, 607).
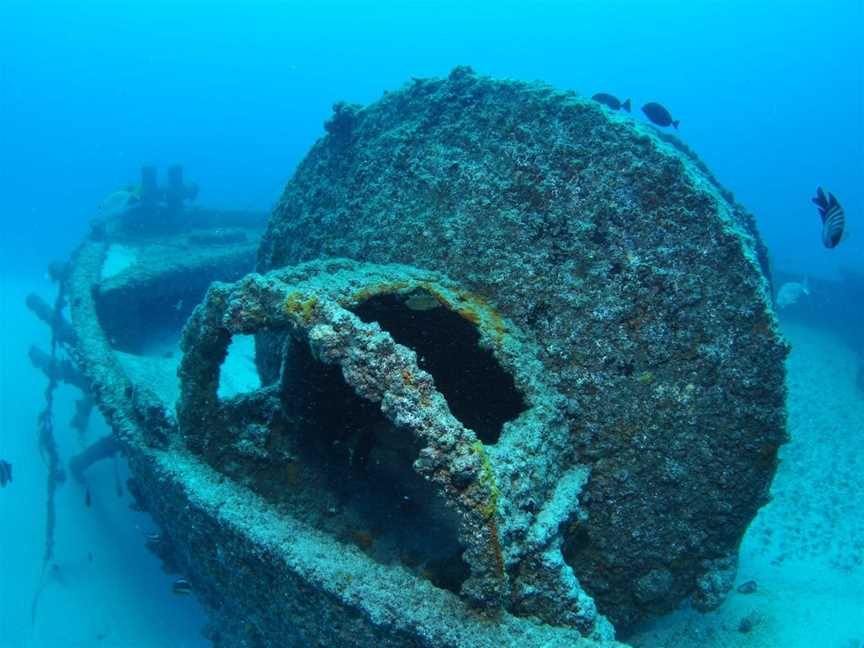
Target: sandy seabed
(804, 550)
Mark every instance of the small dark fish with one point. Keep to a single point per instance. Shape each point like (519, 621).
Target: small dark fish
(57, 574)
(659, 115)
(611, 101)
(747, 588)
(181, 587)
(833, 217)
(87, 499)
(90, 557)
(5, 473)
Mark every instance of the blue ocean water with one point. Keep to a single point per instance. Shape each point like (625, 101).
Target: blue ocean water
(769, 94)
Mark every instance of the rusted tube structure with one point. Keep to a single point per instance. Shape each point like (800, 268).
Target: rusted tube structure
(505, 372)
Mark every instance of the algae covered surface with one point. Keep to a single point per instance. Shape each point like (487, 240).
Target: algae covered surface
(615, 252)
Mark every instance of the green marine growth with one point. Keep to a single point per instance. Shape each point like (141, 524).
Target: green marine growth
(300, 308)
(488, 510)
(487, 478)
(645, 378)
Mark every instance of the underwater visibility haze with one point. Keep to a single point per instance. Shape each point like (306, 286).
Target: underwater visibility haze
(432, 324)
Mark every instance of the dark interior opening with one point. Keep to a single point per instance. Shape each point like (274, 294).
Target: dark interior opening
(348, 471)
(479, 392)
(315, 449)
(148, 324)
(576, 542)
(579, 553)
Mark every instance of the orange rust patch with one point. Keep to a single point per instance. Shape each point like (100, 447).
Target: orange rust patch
(496, 545)
(473, 308)
(470, 315)
(466, 304)
(379, 289)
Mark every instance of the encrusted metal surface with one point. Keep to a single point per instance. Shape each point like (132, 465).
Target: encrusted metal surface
(519, 372)
(249, 560)
(491, 488)
(611, 247)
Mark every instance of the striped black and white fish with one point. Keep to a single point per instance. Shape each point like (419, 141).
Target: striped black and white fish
(5, 472)
(833, 217)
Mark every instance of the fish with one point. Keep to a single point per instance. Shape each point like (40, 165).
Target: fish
(5, 473)
(791, 292)
(181, 587)
(833, 217)
(659, 115)
(748, 588)
(422, 301)
(57, 574)
(611, 101)
(118, 202)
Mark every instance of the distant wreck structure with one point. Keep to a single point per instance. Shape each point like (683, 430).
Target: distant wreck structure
(504, 372)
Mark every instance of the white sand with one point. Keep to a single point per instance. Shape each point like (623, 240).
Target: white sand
(238, 374)
(805, 549)
(117, 259)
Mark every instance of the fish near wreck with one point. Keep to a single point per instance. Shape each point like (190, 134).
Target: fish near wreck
(659, 115)
(181, 587)
(555, 484)
(119, 202)
(5, 473)
(833, 217)
(612, 101)
(791, 292)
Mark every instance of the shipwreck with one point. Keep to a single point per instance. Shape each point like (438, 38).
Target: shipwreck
(517, 377)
